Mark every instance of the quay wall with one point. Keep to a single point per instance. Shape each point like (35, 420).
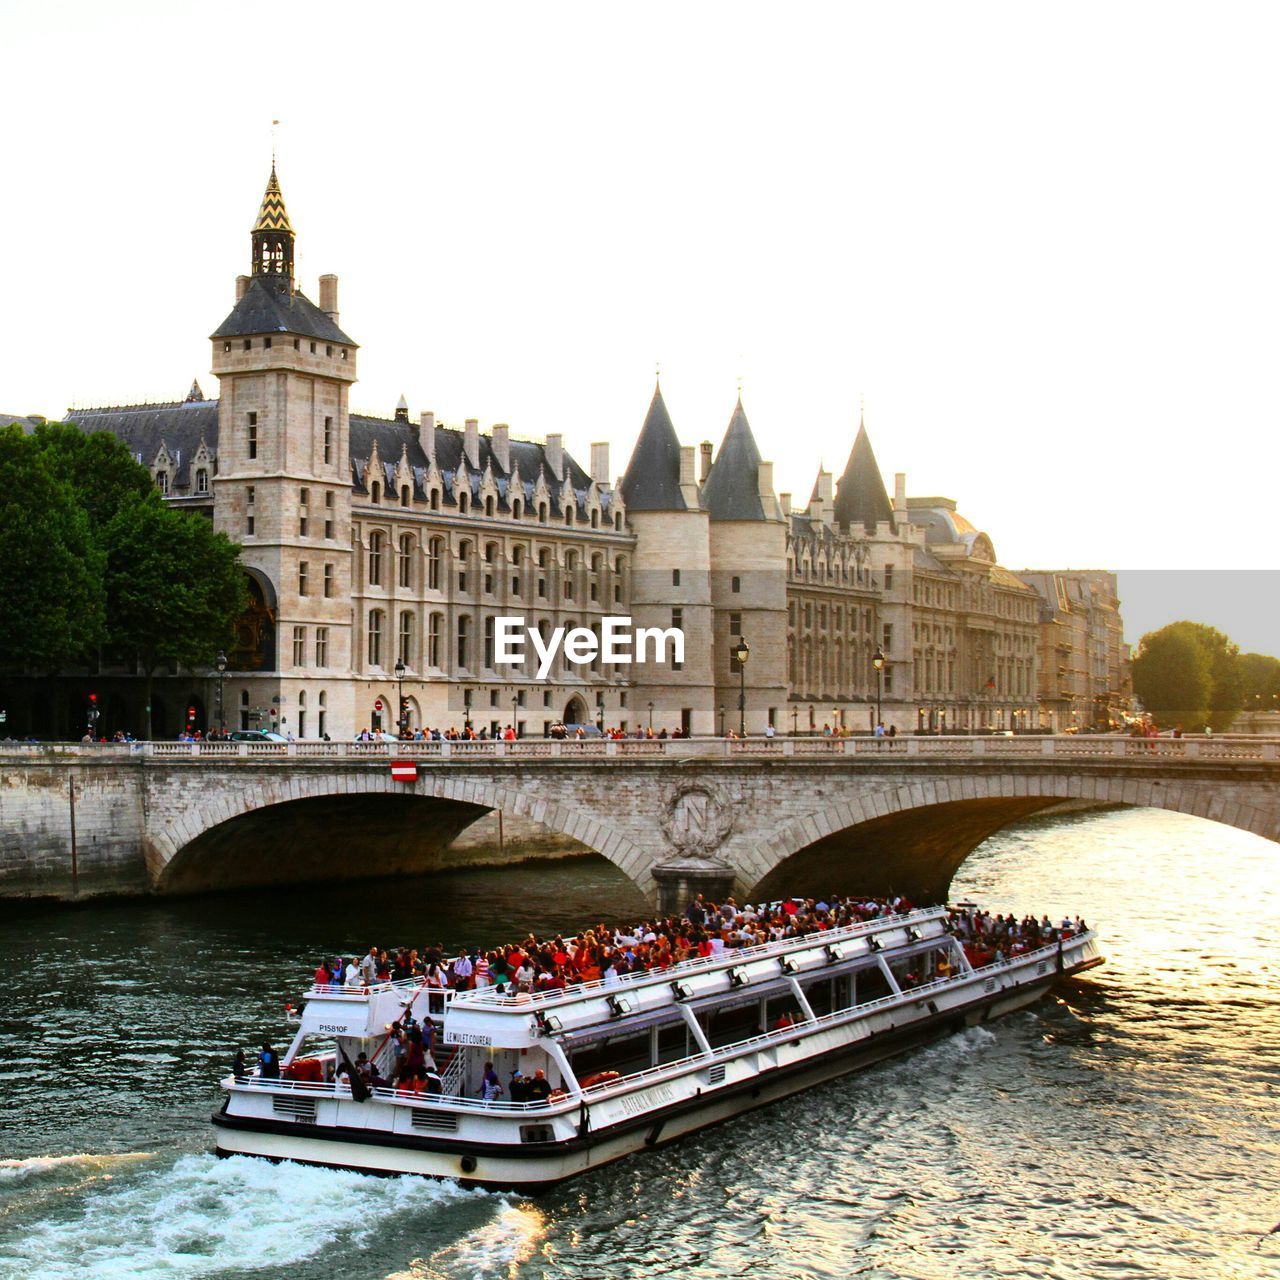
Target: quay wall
(71, 829)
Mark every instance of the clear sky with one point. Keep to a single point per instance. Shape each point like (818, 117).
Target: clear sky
(1040, 241)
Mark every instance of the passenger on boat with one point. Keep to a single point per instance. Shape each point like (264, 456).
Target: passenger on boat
(490, 1086)
(269, 1063)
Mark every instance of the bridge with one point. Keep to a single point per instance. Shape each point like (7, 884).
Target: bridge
(757, 817)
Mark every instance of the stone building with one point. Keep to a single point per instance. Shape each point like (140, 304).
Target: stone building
(381, 551)
(1083, 669)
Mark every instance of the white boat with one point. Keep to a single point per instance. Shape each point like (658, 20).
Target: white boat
(633, 1064)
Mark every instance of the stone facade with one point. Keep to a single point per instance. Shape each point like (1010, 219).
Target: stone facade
(381, 551)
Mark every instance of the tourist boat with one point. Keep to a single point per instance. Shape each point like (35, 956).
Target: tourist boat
(634, 1063)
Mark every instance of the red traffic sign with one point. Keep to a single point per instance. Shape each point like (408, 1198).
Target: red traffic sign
(404, 771)
(377, 704)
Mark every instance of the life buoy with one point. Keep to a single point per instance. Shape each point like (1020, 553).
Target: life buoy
(599, 1077)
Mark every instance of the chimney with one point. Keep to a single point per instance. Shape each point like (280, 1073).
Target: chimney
(471, 443)
(784, 501)
(500, 440)
(704, 454)
(688, 470)
(686, 464)
(242, 286)
(427, 433)
(600, 463)
(765, 480)
(824, 486)
(553, 451)
(329, 297)
(900, 491)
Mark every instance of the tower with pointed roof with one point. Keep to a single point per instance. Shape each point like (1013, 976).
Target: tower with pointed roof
(283, 487)
(671, 572)
(748, 578)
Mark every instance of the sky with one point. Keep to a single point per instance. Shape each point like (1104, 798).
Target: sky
(1038, 246)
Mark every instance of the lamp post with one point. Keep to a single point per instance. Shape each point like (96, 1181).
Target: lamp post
(741, 652)
(399, 669)
(92, 716)
(222, 675)
(515, 714)
(651, 717)
(795, 715)
(877, 661)
(722, 719)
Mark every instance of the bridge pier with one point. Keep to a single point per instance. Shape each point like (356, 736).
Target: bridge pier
(680, 880)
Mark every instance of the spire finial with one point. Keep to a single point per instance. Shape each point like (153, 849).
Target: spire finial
(275, 124)
(657, 372)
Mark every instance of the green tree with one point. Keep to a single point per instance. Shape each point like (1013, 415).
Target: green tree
(51, 595)
(1189, 674)
(97, 467)
(174, 587)
(1260, 678)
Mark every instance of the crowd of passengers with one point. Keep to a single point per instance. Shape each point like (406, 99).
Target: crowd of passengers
(706, 929)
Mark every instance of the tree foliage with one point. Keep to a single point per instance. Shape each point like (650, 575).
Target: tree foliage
(1189, 674)
(90, 554)
(51, 598)
(1260, 680)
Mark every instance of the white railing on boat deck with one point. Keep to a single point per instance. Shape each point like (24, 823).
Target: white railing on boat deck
(438, 998)
(730, 956)
(679, 1066)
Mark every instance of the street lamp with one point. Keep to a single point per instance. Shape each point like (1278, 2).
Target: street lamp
(741, 652)
(399, 670)
(651, 717)
(515, 714)
(795, 715)
(222, 675)
(877, 661)
(93, 716)
(722, 719)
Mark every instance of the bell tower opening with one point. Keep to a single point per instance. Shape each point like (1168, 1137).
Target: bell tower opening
(273, 235)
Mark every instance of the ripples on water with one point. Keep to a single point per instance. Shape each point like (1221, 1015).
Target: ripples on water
(1126, 1128)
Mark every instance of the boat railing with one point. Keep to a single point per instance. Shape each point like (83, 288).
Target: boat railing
(438, 999)
(686, 968)
(782, 1035)
(765, 1040)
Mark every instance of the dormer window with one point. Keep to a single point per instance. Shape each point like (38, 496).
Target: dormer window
(162, 482)
(202, 481)
(375, 493)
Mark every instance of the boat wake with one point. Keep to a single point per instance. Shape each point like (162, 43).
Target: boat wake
(202, 1216)
(34, 1166)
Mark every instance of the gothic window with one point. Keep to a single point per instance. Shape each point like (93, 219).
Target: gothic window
(406, 560)
(435, 640)
(375, 493)
(464, 637)
(162, 482)
(202, 481)
(374, 649)
(433, 564)
(404, 495)
(406, 638)
(375, 560)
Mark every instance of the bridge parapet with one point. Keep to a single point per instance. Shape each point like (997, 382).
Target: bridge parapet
(1219, 748)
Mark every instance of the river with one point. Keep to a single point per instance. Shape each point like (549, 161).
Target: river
(1128, 1126)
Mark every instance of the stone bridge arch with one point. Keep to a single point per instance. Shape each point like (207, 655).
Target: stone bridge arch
(275, 828)
(912, 836)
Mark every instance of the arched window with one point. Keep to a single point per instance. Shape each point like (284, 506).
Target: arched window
(433, 563)
(374, 648)
(406, 560)
(375, 560)
(617, 521)
(435, 498)
(517, 509)
(489, 505)
(322, 715)
(302, 713)
(490, 552)
(375, 493)
(568, 512)
(595, 517)
(405, 495)
(464, 500)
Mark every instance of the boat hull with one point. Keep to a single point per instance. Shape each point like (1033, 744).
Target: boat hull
(535, 1167)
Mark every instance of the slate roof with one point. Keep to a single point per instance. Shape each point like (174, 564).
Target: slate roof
(652, 479)
(269, 305)
(732, 490)
(28, 424)
(273, 216)
(861, 497)
(394, 437)
(144, 427)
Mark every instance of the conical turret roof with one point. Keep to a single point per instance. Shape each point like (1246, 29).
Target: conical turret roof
(652, 480)
(732, 491)
(273, 216)
(861, 497)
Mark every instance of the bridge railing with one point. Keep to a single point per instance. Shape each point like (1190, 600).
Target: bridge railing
(1237, 748)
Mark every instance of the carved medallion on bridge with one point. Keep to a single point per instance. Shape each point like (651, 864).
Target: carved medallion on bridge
(697, 818)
